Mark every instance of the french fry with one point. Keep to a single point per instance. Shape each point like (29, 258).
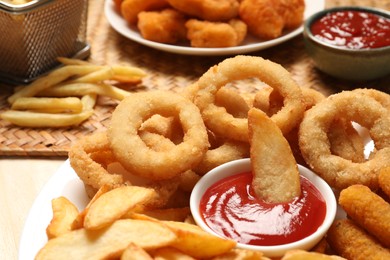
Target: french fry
(55, 77)
(107, 242)
(49, 105)
(71, 61)
(64, 213)
(134, 252)
(197, 243)
(102, 74)
(274, 179)
(113, 204)
(88, 102)
(81, 89)
(32, 119)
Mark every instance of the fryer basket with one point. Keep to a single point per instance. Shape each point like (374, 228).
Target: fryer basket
(34, 34)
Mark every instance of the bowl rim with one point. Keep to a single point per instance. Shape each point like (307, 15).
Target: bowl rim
(309, 21)
(272, 251)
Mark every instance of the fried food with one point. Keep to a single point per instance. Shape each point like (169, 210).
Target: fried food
(356, 106)
(135, 156)
(211, 10)
(352, 242)
(115, 203)
(107, 242)
(304, 255)
(368, 210)
(64, 213)
(384, 180)
(166, 26)
(131, 8)
(67, 95)
(242, 67)
(194, 241)
(292, 12)
(274, 180)
(205, 34)
(267, 19)
(262, 17)
(84, 158)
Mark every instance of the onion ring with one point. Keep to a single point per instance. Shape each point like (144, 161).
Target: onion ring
(132, 152)
(90, 157)
(242, 67)
(357, 106)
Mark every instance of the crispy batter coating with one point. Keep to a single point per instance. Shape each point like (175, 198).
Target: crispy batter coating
(262, 18)
(384, 180)
(211, 10)
(131, 8)
(368, 210)
(352, 242)
(292, 12)
(207, 34)
(267, 19)
(166, 26)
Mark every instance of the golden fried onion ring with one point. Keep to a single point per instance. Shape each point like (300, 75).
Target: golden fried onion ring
(357, 106)
(132, 152)
(242, 67)
(89, 157)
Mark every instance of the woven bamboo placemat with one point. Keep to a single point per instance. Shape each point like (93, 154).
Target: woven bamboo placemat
(164, 71)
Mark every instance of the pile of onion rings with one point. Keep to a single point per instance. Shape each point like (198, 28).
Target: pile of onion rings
(368, 108)
(169, 140)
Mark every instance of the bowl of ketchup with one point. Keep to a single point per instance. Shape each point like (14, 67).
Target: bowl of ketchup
(224, 204)
(351, 43)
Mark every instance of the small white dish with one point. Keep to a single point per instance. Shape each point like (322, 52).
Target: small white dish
(244, 165)
(250, 44)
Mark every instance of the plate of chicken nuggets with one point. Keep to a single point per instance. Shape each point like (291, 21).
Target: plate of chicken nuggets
(171, 28)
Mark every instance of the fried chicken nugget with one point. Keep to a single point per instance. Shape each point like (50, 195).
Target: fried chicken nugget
(384, 180)
(368, 210)
(131, 8)
(166, 26)
(262, 18)
(292, 12)
(207, 34)
(211, 10)
(352, 242)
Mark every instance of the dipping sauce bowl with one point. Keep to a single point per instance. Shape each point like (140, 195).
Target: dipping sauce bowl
(308, 228)
(351, 43)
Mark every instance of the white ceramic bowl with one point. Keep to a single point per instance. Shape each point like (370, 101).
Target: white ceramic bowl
(243, 165)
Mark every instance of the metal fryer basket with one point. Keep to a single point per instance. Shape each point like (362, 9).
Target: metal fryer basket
(34, 34)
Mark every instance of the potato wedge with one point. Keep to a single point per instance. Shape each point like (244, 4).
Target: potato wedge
(107, 242)
(113, 204)
(170, 253)
(134, 252)
(64, 213)
(275, 171)
(79, 220)
(197, 243)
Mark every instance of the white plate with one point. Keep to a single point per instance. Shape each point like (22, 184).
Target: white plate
(249, 45)
(64, 182)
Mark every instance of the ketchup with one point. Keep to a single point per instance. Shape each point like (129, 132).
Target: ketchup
(230, 208)
(353, 29)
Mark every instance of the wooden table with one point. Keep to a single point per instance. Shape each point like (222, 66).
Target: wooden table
(23, 173)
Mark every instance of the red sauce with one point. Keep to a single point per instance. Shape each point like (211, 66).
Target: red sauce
(353, 30)
(230, 208)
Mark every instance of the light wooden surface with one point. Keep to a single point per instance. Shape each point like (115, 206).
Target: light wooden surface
(20, 182)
